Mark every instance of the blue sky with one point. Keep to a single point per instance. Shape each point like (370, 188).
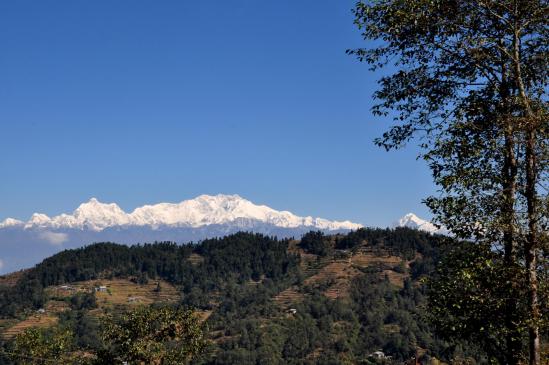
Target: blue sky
(147, 101)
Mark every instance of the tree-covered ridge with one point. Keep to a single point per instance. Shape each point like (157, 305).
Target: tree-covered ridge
(242, 256)
(236, 279)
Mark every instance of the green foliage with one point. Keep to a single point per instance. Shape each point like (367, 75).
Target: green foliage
(242, 256)
(377, 315)
(147, 335)
(402, 242)
(465, 291)
(247, 325)
(468, 82)
(316, 243)
(40, 346)
(83, 301)
(468, 295)
(85, 328)
(150, 335)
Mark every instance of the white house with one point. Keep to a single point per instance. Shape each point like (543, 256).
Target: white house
(378, 355)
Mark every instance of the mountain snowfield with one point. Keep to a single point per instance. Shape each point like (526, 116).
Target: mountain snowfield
(23, 244)
(201, 211)
(411, 220)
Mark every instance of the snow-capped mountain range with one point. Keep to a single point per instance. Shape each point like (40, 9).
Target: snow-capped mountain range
(202, 211)
(411, 220)
(23, 244)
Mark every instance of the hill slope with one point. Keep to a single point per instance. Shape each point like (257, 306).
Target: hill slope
(327, 299)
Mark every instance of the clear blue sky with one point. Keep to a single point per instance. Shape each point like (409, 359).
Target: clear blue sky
(147, 101)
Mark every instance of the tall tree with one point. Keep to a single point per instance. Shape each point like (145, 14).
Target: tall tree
(469, 84)
(41, 346)
(152, 335)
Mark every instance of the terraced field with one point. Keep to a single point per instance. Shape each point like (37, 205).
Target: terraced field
(35, 320)
(365, 259)
(119, 292)
(337, 273)
(12, 279)
(5, 324)
(56, 306)
(10, 328)
(394, 277)
(126, 292)
(287, 297)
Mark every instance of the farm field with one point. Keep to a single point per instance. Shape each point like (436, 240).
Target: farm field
(34, 320)
(126, 292)
(119, 292)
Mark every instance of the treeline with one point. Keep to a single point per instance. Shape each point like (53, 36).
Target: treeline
(403, 242)
(423, 248)
(242, 256)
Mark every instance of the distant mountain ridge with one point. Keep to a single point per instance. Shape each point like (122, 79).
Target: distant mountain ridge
(202, 211)
(411, 220)
(23, 244)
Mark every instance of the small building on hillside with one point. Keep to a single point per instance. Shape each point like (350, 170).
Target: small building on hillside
(101, 288)
(379, 355)
(66, 288)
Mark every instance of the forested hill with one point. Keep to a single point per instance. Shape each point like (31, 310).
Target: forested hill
(321, 299)
(238, 257)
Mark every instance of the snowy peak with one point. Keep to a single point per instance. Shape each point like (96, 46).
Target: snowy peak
(411, 220)
(97, 216)
(38, 220)
(201, 211)
(10, 222)
(222, 209)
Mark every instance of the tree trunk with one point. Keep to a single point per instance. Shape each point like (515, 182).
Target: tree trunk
(510, 170)
(531, 249)
(513, 341)
(531, 245)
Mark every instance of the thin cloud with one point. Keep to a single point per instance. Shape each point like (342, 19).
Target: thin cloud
(54, 238)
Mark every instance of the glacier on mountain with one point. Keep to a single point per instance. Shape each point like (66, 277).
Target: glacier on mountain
(202, 211)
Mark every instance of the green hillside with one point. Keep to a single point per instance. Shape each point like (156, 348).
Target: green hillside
(322, 300)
